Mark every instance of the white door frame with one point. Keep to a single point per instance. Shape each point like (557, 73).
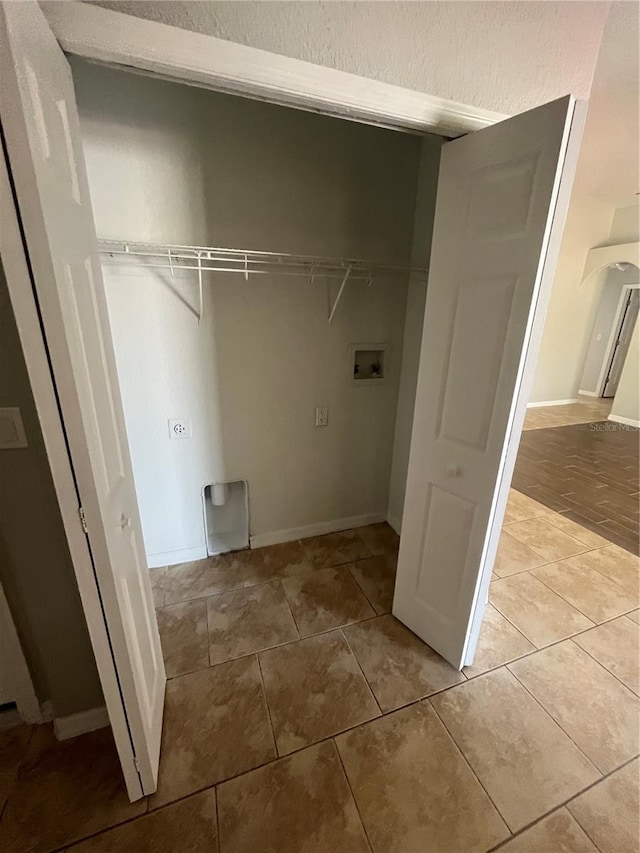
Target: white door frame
(116, 39)
(613, 337)
(27, 316)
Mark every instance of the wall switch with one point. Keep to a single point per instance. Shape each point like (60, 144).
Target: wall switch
(179, 428)
(322, 416)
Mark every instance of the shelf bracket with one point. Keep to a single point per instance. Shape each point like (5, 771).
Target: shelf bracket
(340, 291)
(200, 287)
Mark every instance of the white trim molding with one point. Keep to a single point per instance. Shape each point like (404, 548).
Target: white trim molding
(542, 403)
(79, 724)
(584, 393)
(619, 419)
(318, 529)
(173, 558)
(117, 39)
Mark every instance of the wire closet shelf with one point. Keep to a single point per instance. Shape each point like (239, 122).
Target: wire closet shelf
(245, 262)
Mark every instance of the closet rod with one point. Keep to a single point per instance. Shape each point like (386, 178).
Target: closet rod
(248, 261)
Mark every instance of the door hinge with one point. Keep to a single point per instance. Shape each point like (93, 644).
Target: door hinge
(83, 520)
(136, 763)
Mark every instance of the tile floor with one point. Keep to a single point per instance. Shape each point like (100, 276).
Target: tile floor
(585, 410)
(301, 717)
(577, 463)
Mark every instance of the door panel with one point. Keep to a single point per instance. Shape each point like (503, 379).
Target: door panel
(497, 213)
(41, 125)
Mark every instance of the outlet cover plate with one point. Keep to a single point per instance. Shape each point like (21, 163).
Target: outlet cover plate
(179, 428)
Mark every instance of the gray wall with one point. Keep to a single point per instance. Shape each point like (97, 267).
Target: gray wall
(184, 165)
(35, 565)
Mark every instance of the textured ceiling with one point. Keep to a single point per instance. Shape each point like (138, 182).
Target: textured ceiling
(505, 56)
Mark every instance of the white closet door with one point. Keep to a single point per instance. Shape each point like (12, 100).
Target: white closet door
(40, 122)
(501, 203)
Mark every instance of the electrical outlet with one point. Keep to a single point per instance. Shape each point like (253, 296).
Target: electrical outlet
(322, 416)
(179, 428)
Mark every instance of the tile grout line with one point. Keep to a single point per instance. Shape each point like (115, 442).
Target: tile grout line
(268, 709)
(355, 657)
(352, 792)
(468, 763)
(595, 660)
(564, 805)
(595, 624)
(293, 616)
(556, 723)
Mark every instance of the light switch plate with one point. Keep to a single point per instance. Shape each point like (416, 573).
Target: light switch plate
(12, 434)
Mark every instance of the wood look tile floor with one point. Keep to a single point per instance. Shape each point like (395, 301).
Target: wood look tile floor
(574, 461)
(301, 716)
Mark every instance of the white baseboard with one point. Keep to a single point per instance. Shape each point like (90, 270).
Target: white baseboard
(587, 393)
(79, 724)
(172, 558)
(542, 403)
(277, 536)
(395, 522)
(619, 419)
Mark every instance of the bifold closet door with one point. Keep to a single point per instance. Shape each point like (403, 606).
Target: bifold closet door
(40, 124)
(502, 198)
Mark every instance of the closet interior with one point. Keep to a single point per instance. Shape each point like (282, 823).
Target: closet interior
(265, 272)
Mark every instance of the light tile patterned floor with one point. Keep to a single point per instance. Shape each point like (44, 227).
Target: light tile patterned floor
(300, 715)
(587, 409)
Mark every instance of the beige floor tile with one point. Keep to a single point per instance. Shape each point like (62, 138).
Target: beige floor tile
(284, 560)
(545, 539)
(535, 610)
(334, 549)
(248, 620)
(188, 827)
(635, 616)
(499, 643)
(13, 748)
(590, 539)
(520, 508)
(597, 712)
(376, 577)
(558, 833)
(201, 578)
(513, 556)
(315, 689)
(380, 539)
(158, 582)
(326, 599)
(620, 566)
(216, 725)
(183, 633)
(399, 667)
(300, 803)
(414, 791)
(524, 760)
(589, 591)
(65, 791)
(616, 645)
(608, 812)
